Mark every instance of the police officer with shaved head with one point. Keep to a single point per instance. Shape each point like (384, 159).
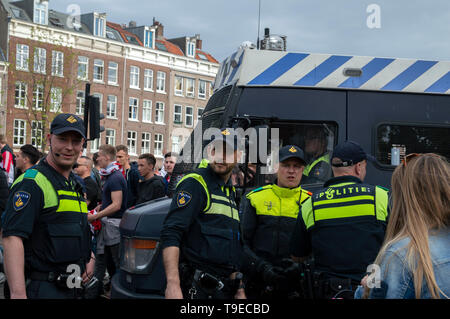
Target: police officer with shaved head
(46, 235)
(201, 238)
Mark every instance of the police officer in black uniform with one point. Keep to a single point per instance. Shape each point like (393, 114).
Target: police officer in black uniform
(46, 234)
(200, 238)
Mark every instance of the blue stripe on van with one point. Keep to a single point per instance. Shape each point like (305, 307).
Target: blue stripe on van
(368, 72)
(440, 86)
(227, 65)
(278, 68)
(409, 75)
(235, 69)
(323, 70)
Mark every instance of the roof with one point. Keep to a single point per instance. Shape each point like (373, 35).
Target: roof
(127, 36)
(163, 44)
(201, 55)
(250, 67)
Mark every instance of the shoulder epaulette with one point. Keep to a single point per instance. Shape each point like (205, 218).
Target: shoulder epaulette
(30, 173)
(383, 188)
(307, 192)
(257, 190)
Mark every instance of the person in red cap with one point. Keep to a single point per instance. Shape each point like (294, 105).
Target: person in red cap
(46, 235)
(342, 225)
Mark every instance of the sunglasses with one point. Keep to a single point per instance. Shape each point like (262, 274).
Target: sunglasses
(409, 157)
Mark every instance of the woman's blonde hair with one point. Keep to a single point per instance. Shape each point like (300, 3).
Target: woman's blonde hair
(420, 206)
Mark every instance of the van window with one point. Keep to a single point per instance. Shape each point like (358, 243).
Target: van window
(394, 141)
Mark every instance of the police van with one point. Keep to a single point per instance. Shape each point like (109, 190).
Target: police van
(390, 106)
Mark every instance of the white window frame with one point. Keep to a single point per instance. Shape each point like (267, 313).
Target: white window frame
(95, 145)
(133, 109)
(198, 112)
(191, 49)
(178, 81)
(190, 91)
(178, 114)
(56, 99)
(113, 66)
(149, 36)
(132, 137)
(86, 67)
(79, 103)
(36, 132)
(134, 77)
(40, 12)
(158, 145)
(146, 141)
(176, 141)
(23, 92)
(110, 138)
(111, 107)
(21, 130)
(98, 66)
(201, 92)
(40, 57)
(147, 111)
(99, 26)
(58, 63)
(189, 116)
(161, 82)
(22, 57)
(148, 80)
(38, 97)
(159, 113)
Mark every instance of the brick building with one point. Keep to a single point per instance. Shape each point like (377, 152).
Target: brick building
(134, 70)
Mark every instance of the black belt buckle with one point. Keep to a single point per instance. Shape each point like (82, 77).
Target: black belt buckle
(208, 281)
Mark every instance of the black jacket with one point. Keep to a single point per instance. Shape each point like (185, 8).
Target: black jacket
(150, 189)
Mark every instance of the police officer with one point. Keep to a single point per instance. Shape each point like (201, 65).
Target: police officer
(269, 217)
(46, 235)
(342, 225)
(200, 238)
(318, 169)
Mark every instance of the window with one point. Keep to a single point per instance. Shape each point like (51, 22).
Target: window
(159, 113)
(202, 89)
(19, 134)
(133, 109)
(189, 116)
(57, 63)
(191, 49)
(395, 141)
(36, 134)
(176, 140)
(40, 55)
(131, 142)
(99, 26)
(111, 106)
(98, 70)
(211, 88)
(95, 144)
(40, 13)
(148, 79)
(113, 68)
(158, 145)
(145, 143)
(199, 113)
(148, 39)
(20, 99)
(134, 77)
(110, 137)
(177, 114)
(161, 82)
(83, 67)
(147, 111)
(80, 103)
(22, 56)
(179, 85)
(55, 99)
(38, 97)
(190, 87)
(100, 101)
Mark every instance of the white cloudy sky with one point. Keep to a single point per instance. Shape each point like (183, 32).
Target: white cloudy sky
(409, 28)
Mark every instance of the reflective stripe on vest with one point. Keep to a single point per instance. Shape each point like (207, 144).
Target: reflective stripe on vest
(50, 196)
(216, 204)
(309, 167)
(69, 202)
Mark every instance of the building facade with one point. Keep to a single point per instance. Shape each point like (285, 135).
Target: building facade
(134, 70)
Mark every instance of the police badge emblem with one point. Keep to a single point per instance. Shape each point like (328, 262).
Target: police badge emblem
(21, 200)
(183, 198)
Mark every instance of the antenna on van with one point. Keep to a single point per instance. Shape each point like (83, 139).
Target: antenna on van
(259, 24)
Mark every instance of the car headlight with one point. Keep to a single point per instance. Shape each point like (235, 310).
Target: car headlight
(137, 254)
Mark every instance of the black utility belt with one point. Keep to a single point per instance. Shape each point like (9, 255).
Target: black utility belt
(60, 279)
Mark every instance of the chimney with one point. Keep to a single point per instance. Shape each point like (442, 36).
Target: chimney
(123, 25)
(198, 42)
(159, 29)
(132, 24)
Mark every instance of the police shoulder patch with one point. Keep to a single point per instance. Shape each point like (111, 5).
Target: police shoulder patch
(21, 200)
(183, 198)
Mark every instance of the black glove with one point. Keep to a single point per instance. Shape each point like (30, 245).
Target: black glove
(291, 269)
(273, 276)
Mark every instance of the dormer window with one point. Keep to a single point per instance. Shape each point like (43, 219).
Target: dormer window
(148, 38)
(99, 26)
(190, 49)
(40, 12)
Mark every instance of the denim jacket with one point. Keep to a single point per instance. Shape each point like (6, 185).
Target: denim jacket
(397, 279)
